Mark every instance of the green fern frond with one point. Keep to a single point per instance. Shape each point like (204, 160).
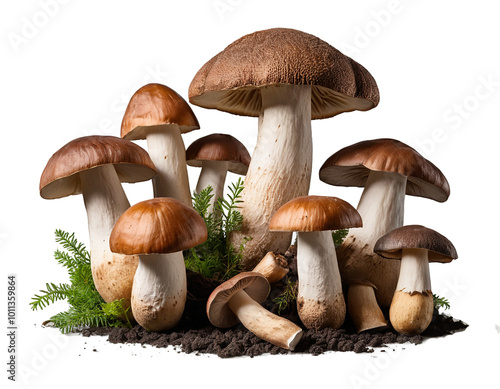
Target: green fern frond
(52, 294)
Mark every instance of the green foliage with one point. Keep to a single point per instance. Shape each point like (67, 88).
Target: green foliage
(441, 302)
(87, 308)
(289, 295)
(339, 236)
(216, 258)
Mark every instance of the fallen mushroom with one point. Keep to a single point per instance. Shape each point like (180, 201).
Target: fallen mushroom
(362, 306)
(238, 301)
(320, 300)
(160, 115)
(157, 230)
(95, 166)
(273, 266)
(413, 304)
(217, 154)
(286, 78)
(387, 169)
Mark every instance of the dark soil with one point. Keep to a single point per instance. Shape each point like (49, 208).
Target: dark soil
(195, 334)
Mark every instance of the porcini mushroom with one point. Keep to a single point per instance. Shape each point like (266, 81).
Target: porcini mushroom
(362, 306)
(320, 300)
(286, 78)
(238, 301)
(157, 230)
(388, 170)
(217, 154)
(273, 266)
(160, 115)
(415, 246)
(95, 166)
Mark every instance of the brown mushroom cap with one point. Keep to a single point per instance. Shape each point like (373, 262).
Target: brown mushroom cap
(230, 81)
(219, 147)
(60, 177)
(351, 165)
(158, 226)
(155, 105)
(315, 213)
(218, 311)
(391, 245)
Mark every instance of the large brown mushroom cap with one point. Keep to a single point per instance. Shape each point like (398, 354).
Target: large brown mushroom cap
(351, 165)
(230, 81)
(391, 245)
(158, 226)
(60, 176)
(155, 105)
(218, 311)
(315, 213)
(219, 147)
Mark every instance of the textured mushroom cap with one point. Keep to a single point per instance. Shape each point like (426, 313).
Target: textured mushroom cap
(392, 244)
(60, 177)
(158, 226)
(218, 311)
(155, 105)
(230, 81)
(219, 147)
(315, 213)
(351, 165)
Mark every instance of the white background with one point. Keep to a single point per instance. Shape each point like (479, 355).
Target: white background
(68, 69)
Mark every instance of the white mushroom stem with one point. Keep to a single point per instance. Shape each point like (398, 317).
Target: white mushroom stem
(320, 301)
(279, 171)
(167, 151)
(381, 207)
(159, 291)
(264, 324)
(213, 173)
(413, 304)
(105, 201)
(272, 266)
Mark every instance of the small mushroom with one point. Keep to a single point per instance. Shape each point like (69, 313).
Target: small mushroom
(238, 301)
(286, 78)
(273, 266)
(320, 300)
(362, 306)
(157, 230)
(388, 170)
(217, 154)
(95, 166)
(412, 306)
(160, 115)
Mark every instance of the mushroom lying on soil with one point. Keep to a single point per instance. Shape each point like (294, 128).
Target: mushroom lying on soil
(412, 306)
(320, 301)
(286, 78)
(217, 154)
(95, 166)
(362, 306)
(157, 230)
(238, 300)
(387, 169)
(159, 115)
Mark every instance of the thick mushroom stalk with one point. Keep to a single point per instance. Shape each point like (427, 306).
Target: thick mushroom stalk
(273, 266)
(264, 324)
(213, 174)
(381, 207)
(105, 201)
(159, 291)
(363, 308)
(279, 171)
(167, 151)
(412, 306)
(320, 301)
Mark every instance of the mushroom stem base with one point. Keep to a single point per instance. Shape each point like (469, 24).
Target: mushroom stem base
(411, 313)
(264, 324)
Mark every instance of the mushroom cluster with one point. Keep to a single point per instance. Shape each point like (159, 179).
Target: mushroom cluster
(286, 78)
